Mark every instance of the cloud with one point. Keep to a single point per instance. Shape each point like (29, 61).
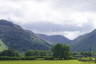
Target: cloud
(70, 31)
(80, 5)
(51, 16)
(52, 27)
(45, 10)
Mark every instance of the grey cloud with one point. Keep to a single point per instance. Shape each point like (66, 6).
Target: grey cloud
(80, 5)
(51, 27)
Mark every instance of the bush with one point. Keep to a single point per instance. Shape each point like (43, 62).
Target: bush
(10, 53)
(9, 58)
(48, 58)
(28, 58)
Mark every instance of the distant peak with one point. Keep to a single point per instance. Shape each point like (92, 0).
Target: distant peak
(5, 22)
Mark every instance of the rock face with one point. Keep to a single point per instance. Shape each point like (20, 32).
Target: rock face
(16, 37)
(85, 42)
(54, 39)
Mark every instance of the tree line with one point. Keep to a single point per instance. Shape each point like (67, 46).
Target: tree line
(58, 52)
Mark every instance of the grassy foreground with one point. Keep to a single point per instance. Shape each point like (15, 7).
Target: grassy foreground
(46, 62)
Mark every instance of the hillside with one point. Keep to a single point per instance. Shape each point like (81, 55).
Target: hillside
(85, 42)
(2, 46)
(54, 39)
(16, 37)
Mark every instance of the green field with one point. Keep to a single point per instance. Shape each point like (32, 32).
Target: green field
(46, 62)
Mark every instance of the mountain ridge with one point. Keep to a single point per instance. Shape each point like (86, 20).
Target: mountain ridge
(54, 39)
(85, 42)
(14, 36)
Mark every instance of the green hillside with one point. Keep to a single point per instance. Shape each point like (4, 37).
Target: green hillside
(2, 46)
(85, 42)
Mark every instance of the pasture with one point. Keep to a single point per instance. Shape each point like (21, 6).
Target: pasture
(45, 62)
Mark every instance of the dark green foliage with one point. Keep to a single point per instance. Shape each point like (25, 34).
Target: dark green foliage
(10, 53)
(38, 53)
(61, 51)
(29, 58)
(49, 58)
(86, 54)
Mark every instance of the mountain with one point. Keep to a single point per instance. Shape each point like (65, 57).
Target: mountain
(16, 37)
(54, 39)
(85, 42)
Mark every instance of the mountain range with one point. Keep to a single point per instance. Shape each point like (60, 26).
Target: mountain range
(13, 36)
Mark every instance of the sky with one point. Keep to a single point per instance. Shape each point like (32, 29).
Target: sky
(70, 18)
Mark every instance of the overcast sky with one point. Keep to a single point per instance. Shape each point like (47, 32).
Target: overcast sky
(65, 17)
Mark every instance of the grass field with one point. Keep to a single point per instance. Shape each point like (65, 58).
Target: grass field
(46, 62)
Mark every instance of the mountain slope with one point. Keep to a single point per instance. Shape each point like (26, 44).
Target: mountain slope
(85, 42)
(54, 39)
(16, 37)
(2, 46)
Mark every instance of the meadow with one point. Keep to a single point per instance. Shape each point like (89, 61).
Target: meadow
(45, 62)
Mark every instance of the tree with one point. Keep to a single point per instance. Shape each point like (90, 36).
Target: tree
(30, 53)
(61, 51)
(38, 53)
(10, 53)
(86, 54)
